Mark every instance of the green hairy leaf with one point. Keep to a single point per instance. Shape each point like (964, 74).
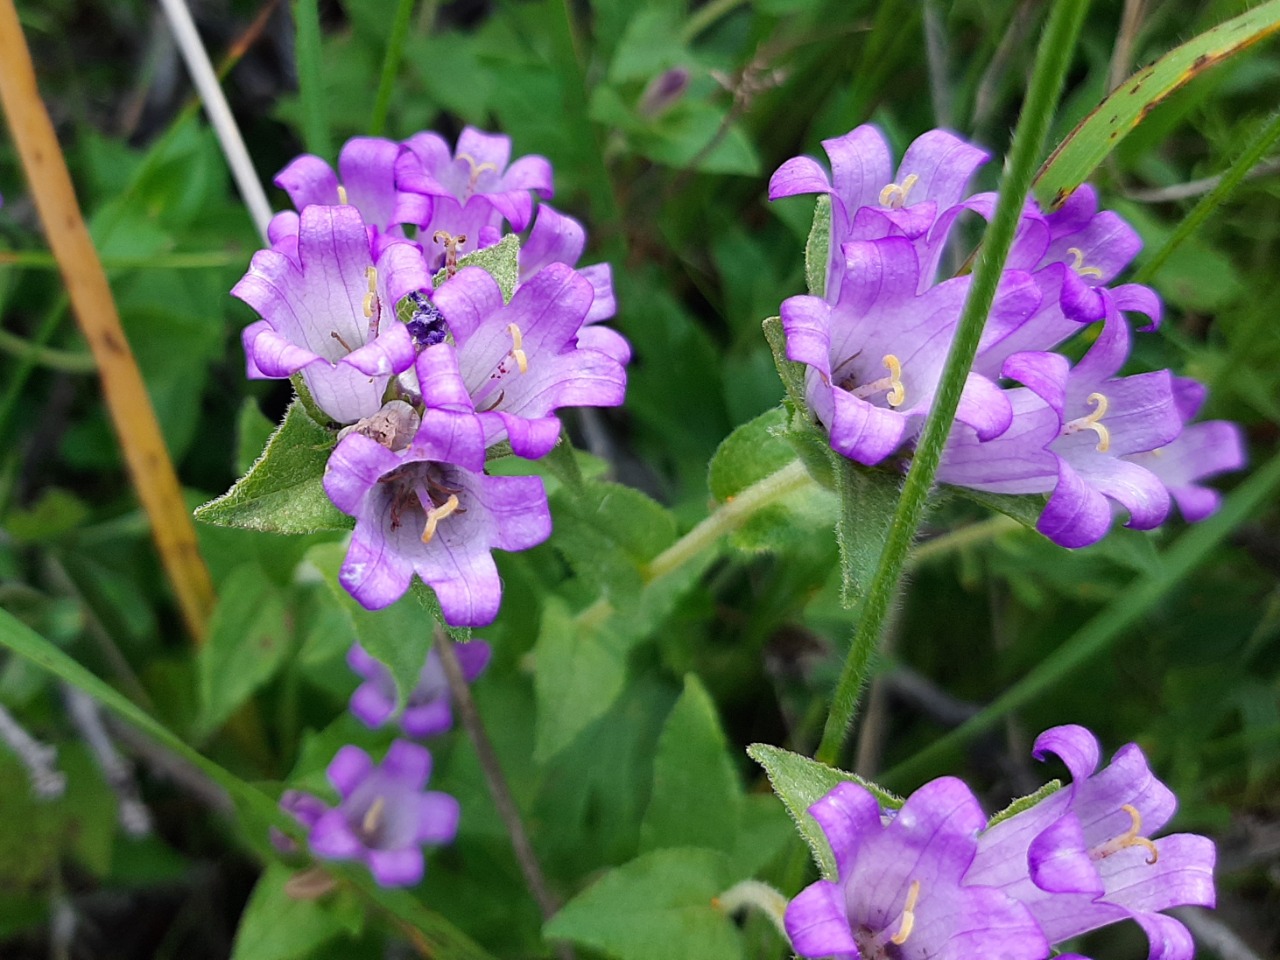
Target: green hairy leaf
(658, 906)
(1025, 803)
(817, 249)
(800, 783)
(501, 261)
(868, 500)
(283, 491)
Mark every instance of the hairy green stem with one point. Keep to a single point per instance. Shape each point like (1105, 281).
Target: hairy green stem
(68, 361)
(1210, 202)
(1052, 59)
(315, 118)
(390, 67)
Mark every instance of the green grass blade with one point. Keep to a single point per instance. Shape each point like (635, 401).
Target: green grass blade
(432, 930)
(315, 117)
(1110, 122)
(1052, 60)
(1180, 561)
(390, 67)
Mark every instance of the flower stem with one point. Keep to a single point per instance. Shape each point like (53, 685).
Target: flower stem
(497, 783)
(1052, 60)
(965, 536)
(390, 67)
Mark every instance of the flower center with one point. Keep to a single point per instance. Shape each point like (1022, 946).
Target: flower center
(514, 359)
(342, 195)
(373, 818)
(884, 944)
(891, 386)
(894, 196)
(372, 305)
(1092, 422)
(1077, 264)
(1130, 838)
(418, 486)
(451, 245)
(426, 325)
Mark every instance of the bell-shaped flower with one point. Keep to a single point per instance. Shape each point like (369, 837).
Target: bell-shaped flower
(902, 889)
(1200, 451)
(384, 816)
(1083, 858)
(329, 312)
(519, 362)
(430, 510)
(428, 710)
(869, 200)
(557, 238)
(1103, 419)
(876, 354)
(473, 189)
(365, 179)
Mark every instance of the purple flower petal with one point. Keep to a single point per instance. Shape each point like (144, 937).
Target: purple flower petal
(396, 868)
(1060, 862)
(817, 923)
(847, 815)
(349, 767)
(308, 179)
(438, 815)
(1076, 514)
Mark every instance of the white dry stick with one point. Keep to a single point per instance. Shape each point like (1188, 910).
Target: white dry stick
(47, 780)
(116, 770)
(215, 105)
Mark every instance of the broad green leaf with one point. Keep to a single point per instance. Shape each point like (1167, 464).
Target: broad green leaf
(439, 934)
(696, 798)
(800, 783)
(275, 926)
(581, 669)
(398, 636)
(657, 907)
(608, 532)
(1097, 134)
(1025, 803)
(868, 501)
(647, 47)
(248, 638)
(283, 492)
(764, 831)
(501, 261)
(749, 454)
(817, 249)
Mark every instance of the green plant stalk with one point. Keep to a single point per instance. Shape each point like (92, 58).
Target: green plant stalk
(45, 260)
(27, 363)
(1210, 202)
(427, 928)
(390, 67)
(1137, 600)
(705, 16)
(1052, 60)
(315, 118)
(67, 361)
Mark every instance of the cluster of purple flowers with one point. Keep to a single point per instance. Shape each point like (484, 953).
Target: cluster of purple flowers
(932, 880)
(425, 380)
(875, 343)
(385, 815)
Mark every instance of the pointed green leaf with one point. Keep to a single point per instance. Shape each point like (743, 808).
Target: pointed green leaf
(800, 783)
(275, 926)
(1025, 803)
(501, 261)
(868, 501)
(817, 249)
(283, 492)
(658, 906)
(696, 796)
(248, 639)
(1111, 121)
(792, 373)
(397, 636)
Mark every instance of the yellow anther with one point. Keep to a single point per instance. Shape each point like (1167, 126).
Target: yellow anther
(1094, 421)
(342, 195)
(517, 347)
(894, 196)
(1077, 264)
(373, 817)
(1131, 838)
(476, 168)
(437, 514)
(371, 273)
(908, 915)
(897, 392)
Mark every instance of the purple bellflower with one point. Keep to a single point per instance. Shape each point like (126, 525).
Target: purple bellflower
(901, 892)
(1081, 858)
(1200, 451)
(557, 238)
(384, 816)
(472, 190)
(329, 312)
(869, 200)
(429, 510)
(365, 180)
(518, 362)
(876, 354)
(428, 711)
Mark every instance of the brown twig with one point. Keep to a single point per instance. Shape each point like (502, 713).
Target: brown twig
(497, 783)
(126, 395)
